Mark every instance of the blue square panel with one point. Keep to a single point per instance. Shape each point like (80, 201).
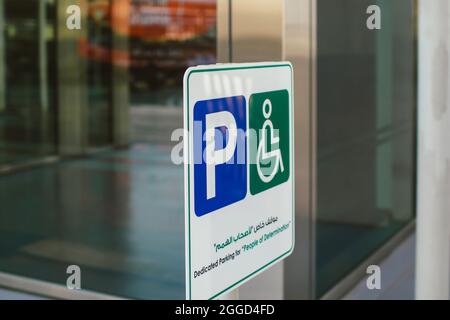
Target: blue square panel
(220, 153)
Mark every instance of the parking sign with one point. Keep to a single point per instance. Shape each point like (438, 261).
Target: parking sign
(239, 175)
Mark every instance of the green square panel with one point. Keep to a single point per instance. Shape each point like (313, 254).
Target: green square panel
(269, 140)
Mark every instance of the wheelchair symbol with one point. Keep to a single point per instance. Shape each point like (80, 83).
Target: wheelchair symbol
(263, 156)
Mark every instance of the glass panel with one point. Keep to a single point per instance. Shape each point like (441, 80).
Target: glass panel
(117, 213)
(27, 108)
(99, 73)
(366, 132)
(166, 36)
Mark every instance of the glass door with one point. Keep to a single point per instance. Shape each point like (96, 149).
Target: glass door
(366, 125)
(27, 81)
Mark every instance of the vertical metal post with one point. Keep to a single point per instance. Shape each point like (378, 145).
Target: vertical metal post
(266, 30)
(224, 46)
(256, 34)
(43, 74)
(72, 81)
(384, 73)
(2, 57)
(299, 47)
(120, 13)
(433, 205)
(223, 31)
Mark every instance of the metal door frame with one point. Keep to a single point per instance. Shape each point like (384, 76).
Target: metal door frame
(290, 33)
(296, 34)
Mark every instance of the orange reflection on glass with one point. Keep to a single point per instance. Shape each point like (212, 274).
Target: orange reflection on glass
(171, 19)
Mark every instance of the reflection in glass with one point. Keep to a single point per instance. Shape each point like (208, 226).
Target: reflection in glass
(27, 82)
(365, 131)
(166, 37)
(115, 212)
(99, 72)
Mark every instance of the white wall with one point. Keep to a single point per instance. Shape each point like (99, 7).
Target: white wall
(433, 193)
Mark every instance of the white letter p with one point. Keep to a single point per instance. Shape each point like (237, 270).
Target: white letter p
(215, 157)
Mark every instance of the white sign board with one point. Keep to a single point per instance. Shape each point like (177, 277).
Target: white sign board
(239, 173)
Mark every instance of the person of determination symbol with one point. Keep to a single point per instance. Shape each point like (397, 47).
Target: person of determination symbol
(264, 156)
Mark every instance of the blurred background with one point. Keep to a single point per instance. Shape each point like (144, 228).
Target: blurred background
(86, 118)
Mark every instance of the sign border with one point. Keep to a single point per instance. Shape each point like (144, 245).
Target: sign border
(236, 66)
